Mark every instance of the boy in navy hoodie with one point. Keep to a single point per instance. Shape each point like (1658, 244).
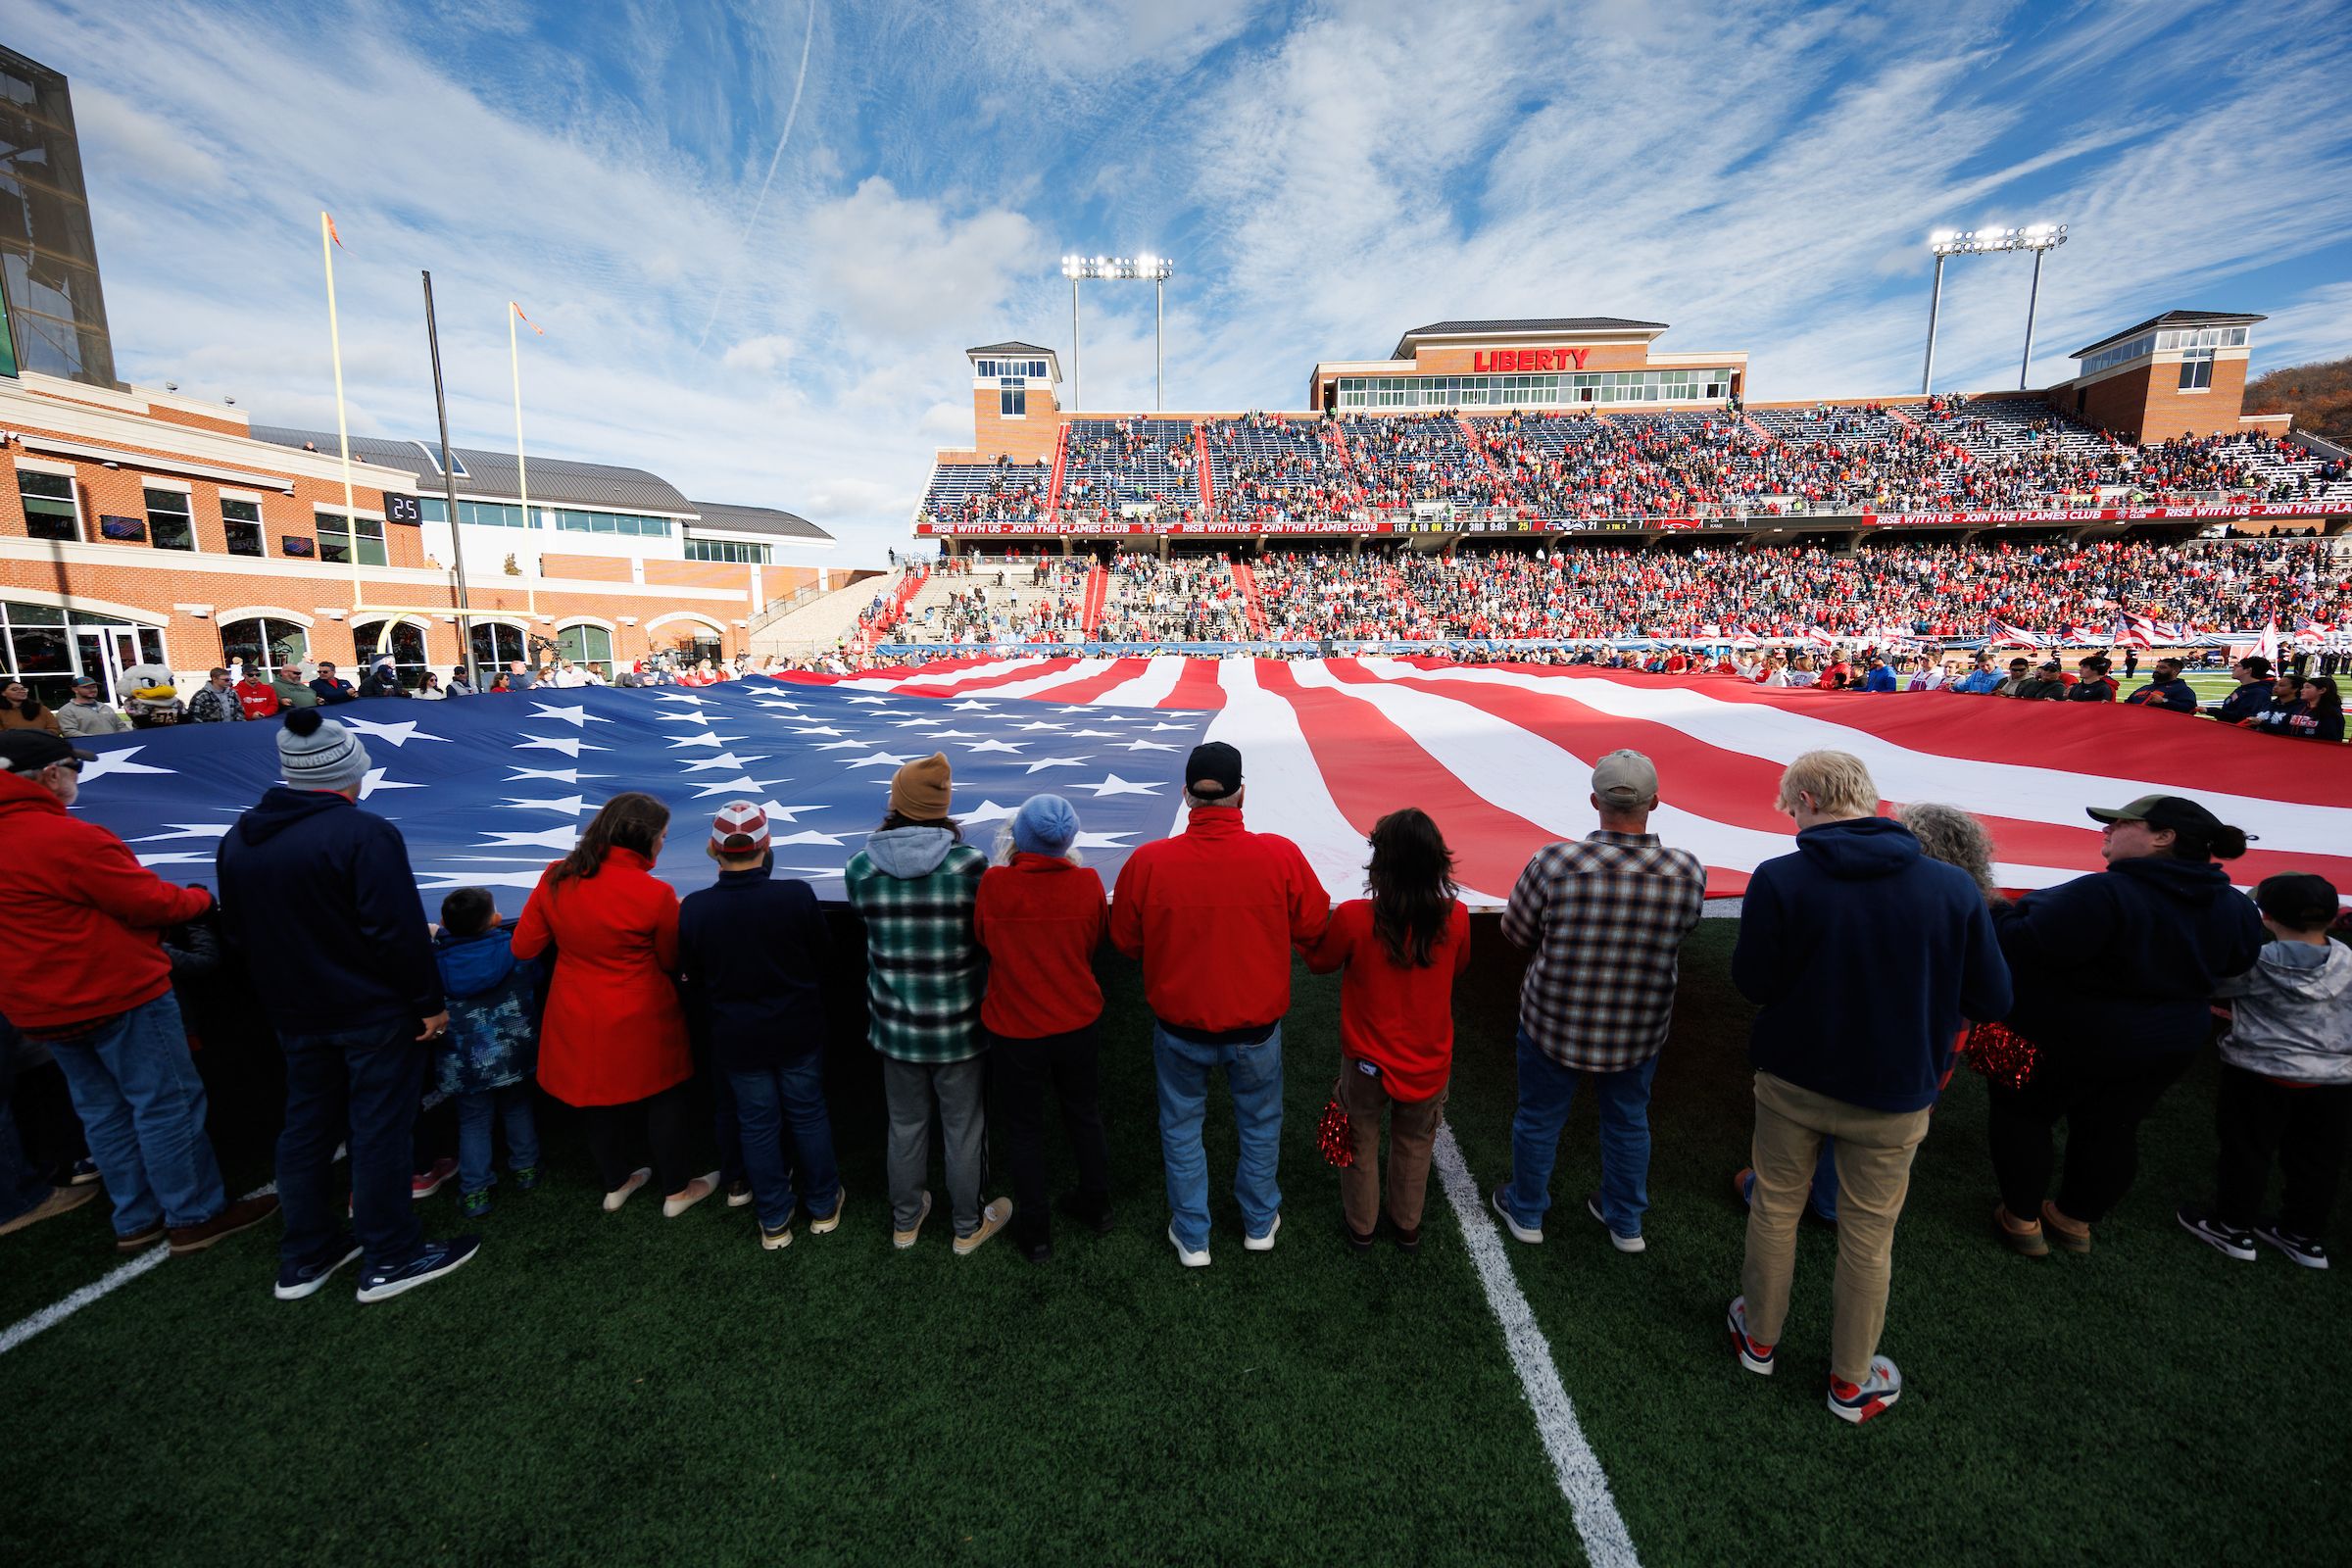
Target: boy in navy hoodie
(492, 1048)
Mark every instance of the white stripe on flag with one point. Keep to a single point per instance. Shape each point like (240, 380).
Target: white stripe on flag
(1150, 688)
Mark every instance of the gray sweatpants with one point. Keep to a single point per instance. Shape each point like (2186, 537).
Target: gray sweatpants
(912, 1089)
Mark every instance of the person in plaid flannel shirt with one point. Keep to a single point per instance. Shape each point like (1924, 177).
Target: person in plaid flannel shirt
(1604, 918)
(914, 884)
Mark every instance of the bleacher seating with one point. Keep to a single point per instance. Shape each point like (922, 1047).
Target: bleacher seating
(1108, 464)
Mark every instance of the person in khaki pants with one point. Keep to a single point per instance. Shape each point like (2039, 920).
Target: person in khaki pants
(1865, 956)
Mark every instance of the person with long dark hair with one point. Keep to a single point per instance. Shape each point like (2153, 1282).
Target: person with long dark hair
(1401, 950)
(21, 709)
(614, 1040)
(2318, 713)
(2113, 972)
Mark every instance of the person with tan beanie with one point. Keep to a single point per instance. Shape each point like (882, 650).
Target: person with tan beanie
(914, 885)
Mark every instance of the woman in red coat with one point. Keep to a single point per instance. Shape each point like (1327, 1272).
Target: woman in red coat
(614, 1039)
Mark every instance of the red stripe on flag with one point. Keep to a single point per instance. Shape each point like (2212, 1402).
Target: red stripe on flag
(1197, 686)
(1372, 767)
(980, 683)
(1101, 683)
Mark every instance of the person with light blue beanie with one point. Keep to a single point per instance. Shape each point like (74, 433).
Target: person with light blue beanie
(1041, 917)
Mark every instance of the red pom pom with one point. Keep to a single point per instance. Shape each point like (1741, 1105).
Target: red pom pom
(1334, 1136)
(2000, 1054)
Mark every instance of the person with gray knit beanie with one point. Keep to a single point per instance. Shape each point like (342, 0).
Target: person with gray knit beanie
(319, 893)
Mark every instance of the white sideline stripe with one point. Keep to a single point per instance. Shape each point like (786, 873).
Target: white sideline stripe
(114, 1278)
(1585, 1485)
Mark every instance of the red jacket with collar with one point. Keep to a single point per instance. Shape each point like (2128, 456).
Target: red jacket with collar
(84, 916)
(1039, 920)
(615, 1029)
(1213, 914)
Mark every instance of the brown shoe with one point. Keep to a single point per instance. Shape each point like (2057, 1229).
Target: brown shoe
(2072, 1234)
(243, 1214)
(2024, 1237)
(59, 1201)
(140, 1241)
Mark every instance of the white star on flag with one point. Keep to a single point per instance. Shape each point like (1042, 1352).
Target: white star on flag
(375, 780)
(445, 880)
(1095, 734)
(396, 735)
(1142, 746)
(574, 715)
(1041, 724)
(118, 762)
(554, 775)
(837, 746)
(956, 735)
(553, 838)
(872, 702)
(986, 812)
(881, 760)
(818, 729)
(811, 837)
(565, 744)
(745, 787)
(705, 738)
(703, 765)
(788, 814)
(971, 705)
(684, 717)
(175, 857)
(995, 746)
(1112, 784)
(569, 804)
(1056, 761)
(187, 830)
(1100, 840)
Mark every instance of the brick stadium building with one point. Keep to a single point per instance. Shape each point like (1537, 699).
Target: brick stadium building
(144, 528)
(1521, 428)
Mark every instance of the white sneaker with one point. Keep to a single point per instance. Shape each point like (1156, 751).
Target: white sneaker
(620, 1195)
(991, 1220)
(1519, 1232)
(1265, 1243)
(1185, 1254)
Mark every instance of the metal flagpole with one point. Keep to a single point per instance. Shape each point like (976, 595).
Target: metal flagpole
(522, 479)
(2032, 302)
(335, 343)
(1073, 345)
(448, 484)
(1926, 376)
(1159, 353)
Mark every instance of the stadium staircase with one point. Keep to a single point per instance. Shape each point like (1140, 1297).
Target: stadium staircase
(1901, 418)
(1503, 484)
(1061, 456)
(1750, 420)
(1247, 582)
(1098, 589)
(820, 624)
(1209, 482)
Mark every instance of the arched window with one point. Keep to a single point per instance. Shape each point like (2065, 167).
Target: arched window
(406, 646)
(263, 644)
(494, 645)
(588, 646)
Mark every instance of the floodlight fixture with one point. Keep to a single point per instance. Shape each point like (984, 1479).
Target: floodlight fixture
(1991, 239)
(1142, 268)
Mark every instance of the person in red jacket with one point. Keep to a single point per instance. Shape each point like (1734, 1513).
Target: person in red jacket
(1213, 914)
(84, 974)
(256, 696)
(613, 1040)
(1401, 949)
(1040, 918)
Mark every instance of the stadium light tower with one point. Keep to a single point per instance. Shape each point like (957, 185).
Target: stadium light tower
(1145, 269)
(2039, 238)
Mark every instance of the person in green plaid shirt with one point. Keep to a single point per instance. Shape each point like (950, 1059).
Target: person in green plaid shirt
(914, 884)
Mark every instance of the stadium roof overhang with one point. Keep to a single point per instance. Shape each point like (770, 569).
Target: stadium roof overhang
(1594, 328)
(2170, 318)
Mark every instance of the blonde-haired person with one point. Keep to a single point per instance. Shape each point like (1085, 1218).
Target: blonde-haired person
(1851, 1050)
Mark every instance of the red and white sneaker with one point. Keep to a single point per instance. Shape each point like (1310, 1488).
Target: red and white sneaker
(1859, 1402)
(425, 1183)
(1757, 1359)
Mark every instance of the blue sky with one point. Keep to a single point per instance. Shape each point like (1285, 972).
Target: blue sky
(1761, 177)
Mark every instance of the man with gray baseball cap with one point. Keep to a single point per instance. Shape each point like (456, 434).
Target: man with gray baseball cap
(1604, 917)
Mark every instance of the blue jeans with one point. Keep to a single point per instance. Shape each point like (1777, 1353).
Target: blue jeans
(787, 1138)
(359, 1086)
(511, 1104)
(142, 1106)
(1254, 1073)
(1546, 1092)
(22, 1188)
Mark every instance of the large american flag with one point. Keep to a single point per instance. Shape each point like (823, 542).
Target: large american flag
(488, 789)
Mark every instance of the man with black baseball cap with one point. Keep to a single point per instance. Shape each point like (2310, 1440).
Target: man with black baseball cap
(84, 974)
(1213, 913)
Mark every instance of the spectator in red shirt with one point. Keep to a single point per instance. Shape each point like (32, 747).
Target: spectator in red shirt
(1040, 917)
(1401, 949)
(256, 696)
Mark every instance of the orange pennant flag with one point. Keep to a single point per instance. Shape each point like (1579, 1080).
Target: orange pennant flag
(525, 320)
(331, 230)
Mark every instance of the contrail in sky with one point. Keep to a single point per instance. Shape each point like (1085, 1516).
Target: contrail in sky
(775, 158)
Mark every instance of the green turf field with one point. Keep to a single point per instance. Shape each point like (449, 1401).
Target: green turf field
(628, 1389)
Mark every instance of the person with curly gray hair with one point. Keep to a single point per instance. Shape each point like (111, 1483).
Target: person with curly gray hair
(1948, 834)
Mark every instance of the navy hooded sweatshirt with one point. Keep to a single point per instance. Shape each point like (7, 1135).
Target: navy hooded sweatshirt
(320, 896)
(754, 950)
(1867, 957)
(2120, 963)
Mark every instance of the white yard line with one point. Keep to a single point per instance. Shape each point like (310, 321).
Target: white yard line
(1578, 1469)
(113, 1280)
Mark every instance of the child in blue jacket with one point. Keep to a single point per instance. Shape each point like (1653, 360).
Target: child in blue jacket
(492, 1049)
